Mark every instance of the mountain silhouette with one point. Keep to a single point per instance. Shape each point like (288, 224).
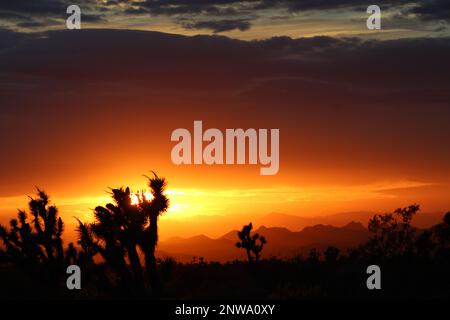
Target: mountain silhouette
(298, 222)
(217, 225)
(282, 242)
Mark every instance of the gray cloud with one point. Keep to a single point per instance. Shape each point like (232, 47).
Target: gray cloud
(215, 15)
(249, 10)
(44, 13)
(220, 25)
(433, 10)
(33, 7)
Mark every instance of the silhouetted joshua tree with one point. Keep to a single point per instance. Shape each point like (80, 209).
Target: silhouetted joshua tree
(253, 244)
(120, 228)
(36, 241)
(152, 209)
(34, 245)
(115, 234)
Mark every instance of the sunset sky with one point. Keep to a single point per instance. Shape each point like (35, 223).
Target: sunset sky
(363, 115)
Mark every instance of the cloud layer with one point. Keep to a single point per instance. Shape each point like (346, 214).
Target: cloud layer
(349, 110)
(217, 15)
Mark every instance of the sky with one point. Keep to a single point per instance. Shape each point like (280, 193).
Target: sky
(243, 19)
(363, 115)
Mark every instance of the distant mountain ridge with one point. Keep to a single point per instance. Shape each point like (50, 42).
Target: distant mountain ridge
(217, 225)
(294, 222)
(281, 242)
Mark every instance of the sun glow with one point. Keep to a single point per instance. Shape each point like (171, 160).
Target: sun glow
(136, 197)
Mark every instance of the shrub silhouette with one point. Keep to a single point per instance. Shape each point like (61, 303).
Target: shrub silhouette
(331, 254)
(313, 256)
(442, 231)
(393, 234)
(253, 244)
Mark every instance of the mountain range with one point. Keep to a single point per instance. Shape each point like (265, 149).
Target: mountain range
(293, 222)
(281, 242)
(287, 235)
(214, 226)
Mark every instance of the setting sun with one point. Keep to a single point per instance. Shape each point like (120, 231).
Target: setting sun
(136, 197)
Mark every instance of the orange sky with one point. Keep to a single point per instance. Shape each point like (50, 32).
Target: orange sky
(363, 123)
(317, 176)
(322, 171)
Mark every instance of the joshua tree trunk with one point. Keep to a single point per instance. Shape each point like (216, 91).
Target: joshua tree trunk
(49, 250)
(59, 251)
(137, 268)
(249, 256)
(117, 263)
(153, 209)
(150, 259)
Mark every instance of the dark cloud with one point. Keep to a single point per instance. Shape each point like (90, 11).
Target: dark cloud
(343, 103)
(11, 16)
(176, 7)
(215, 15)
(135, 11)
(93, 18)
(249, 10)
(9, 38)
(166, 61)
(433, 10)
(44, 13)
(307, 5)
(219, 25)
(440, 28)
(33, 7)
(38, 24)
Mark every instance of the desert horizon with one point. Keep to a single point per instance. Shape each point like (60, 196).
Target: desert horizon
(212, 237)
(215, 225)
